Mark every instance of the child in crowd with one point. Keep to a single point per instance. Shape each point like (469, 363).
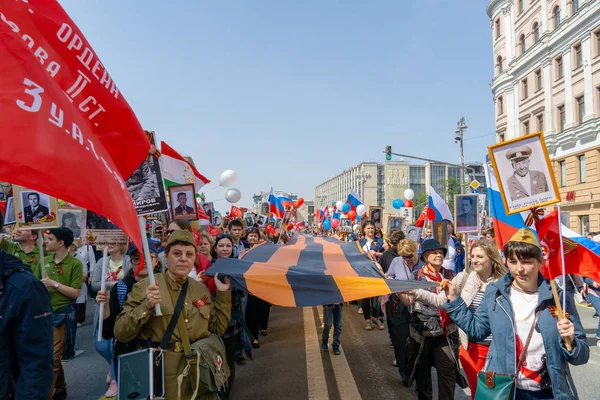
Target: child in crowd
(332, 314)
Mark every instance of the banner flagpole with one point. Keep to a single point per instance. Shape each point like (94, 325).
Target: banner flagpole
(102, 289)
(561, 309)
(148, 260)
(41, 249)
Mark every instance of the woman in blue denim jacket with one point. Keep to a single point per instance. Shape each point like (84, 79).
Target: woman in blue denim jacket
(508, 311)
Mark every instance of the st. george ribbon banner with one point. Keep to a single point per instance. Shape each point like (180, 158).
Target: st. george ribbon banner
(309, 271)
(67, 130)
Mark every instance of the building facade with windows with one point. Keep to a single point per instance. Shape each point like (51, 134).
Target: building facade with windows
(547, 78)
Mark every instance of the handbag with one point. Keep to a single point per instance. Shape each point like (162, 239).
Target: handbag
(493, 386)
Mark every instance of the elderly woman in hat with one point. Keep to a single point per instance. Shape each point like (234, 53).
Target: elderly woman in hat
(519, 311)
(433, 336)
(200, 315)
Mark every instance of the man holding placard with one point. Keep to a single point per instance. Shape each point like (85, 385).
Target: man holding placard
(24, 248)
(63, 279)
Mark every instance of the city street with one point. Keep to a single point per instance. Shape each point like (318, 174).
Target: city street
(291, 365)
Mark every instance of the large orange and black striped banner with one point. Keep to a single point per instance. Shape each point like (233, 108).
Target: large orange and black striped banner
(309, 271)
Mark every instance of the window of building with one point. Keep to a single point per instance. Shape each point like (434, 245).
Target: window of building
(498, 28)
(582, 173)
(563, 173)
(597, 34)
(525, 88)
(561, 118)
(538, 79)
(521, 6)
(559, 67)
(522, 44)
(580, 109)
(536, 32)
(500, 105)
(574, 6)
(556, 17)
(540, 123)
(526, 128)
(584, 224)
(500, 137)
(499, 64)
(578, 56)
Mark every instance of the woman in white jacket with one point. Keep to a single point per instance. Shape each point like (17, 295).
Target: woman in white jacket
(487, 267)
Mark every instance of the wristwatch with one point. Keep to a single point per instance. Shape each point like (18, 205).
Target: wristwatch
(56, 284)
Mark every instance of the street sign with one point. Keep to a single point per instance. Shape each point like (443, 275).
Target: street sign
(475, 191)
(475, 184)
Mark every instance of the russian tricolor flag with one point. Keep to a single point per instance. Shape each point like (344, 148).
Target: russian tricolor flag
(275, 205)
(437, 209)
(286, 202)
(353, 199)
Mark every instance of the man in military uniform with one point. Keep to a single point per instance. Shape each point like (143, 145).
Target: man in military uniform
(64, 276)
(183, 210)
(523, 182)
(468, 216)
(34, 211)
(201, 316)
(24, 248)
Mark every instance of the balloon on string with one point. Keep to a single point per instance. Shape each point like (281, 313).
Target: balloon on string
(352, 215)
(346, 207)
(228, 178)
(409, 204)
(327, 225)
(233, 195)
(270, 219)
(409, 194)
(299, 202)
(358, 218)
(339, 205)
(397, 204)
(332, 203)
(335, 223)
(361, 210)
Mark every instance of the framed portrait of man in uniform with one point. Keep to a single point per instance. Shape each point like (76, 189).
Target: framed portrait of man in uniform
(34, 209)
(376, 215)
(466, 216)
(183, 202)
(262, 220)
(524, 173)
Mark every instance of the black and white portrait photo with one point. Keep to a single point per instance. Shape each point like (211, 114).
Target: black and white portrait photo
(287, 217)
(394, 224)
(249, 218)
(414, 233)
(524, 173)
(183, 202)
(262, 220)
(9, 216)
(209, 209)
(346, 225)
(465, 213)
(440, 232)
(376, 215)
(74, 219)
(33, 209)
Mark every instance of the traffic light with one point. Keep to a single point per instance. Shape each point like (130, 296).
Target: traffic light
(388, 153)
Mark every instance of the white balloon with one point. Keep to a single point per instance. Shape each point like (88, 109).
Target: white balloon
(409, 194)
(228, 178)
(233, 195)
(356, 228)
(361, 210)
(331, 210)
(339, 205)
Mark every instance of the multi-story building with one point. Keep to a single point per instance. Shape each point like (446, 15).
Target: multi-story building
(261, 201)
(363, 178)
(547, 78)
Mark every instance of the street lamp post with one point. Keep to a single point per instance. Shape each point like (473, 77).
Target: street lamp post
(461, 127)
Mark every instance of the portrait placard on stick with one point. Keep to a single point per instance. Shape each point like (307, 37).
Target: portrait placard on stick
(440, 232)
(101, 231)
(183, 202)
(34, 210)
(10, 217)
(376, 215)
(524, 173)
(74, 219)
(466, 214)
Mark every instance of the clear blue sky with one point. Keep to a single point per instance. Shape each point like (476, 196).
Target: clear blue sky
(290, 93)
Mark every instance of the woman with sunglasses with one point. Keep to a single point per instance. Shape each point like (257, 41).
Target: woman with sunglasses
(113, 305)
(373, 246)
(232, 338)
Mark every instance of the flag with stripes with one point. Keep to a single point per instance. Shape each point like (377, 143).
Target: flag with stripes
(309, 271)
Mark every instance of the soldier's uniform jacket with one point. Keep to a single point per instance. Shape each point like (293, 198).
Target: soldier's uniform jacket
(201, 317)
(538, 185)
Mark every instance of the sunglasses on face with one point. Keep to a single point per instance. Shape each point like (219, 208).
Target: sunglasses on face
(169, 231)
(408, 256)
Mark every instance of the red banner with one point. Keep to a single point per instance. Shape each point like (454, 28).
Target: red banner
(235, 212)
(67, 130)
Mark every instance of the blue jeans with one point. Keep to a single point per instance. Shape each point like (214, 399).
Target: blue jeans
(537, 395)
(596, 304)
(332, 314)
(105, 349)
(70, 333)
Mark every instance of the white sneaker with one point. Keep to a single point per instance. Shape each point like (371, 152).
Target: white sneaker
(113, 389)
(360, 311)
(598, 343)
(395, 364)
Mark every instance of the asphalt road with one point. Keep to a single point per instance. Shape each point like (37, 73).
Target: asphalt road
(290, 364)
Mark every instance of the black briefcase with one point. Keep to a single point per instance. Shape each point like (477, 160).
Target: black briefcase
(142, 375)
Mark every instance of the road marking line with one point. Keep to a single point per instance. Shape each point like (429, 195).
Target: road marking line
(341, 369)
(315, 373)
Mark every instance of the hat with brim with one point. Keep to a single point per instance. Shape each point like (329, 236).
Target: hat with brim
(430, 245)
(151, 246)
(518, 153)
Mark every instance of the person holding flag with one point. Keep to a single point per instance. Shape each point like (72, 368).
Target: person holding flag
(531, 341)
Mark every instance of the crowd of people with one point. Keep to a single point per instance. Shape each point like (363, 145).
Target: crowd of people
(491, 315)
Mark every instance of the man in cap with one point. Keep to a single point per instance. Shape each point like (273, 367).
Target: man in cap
(64, 274)
(523, 182)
